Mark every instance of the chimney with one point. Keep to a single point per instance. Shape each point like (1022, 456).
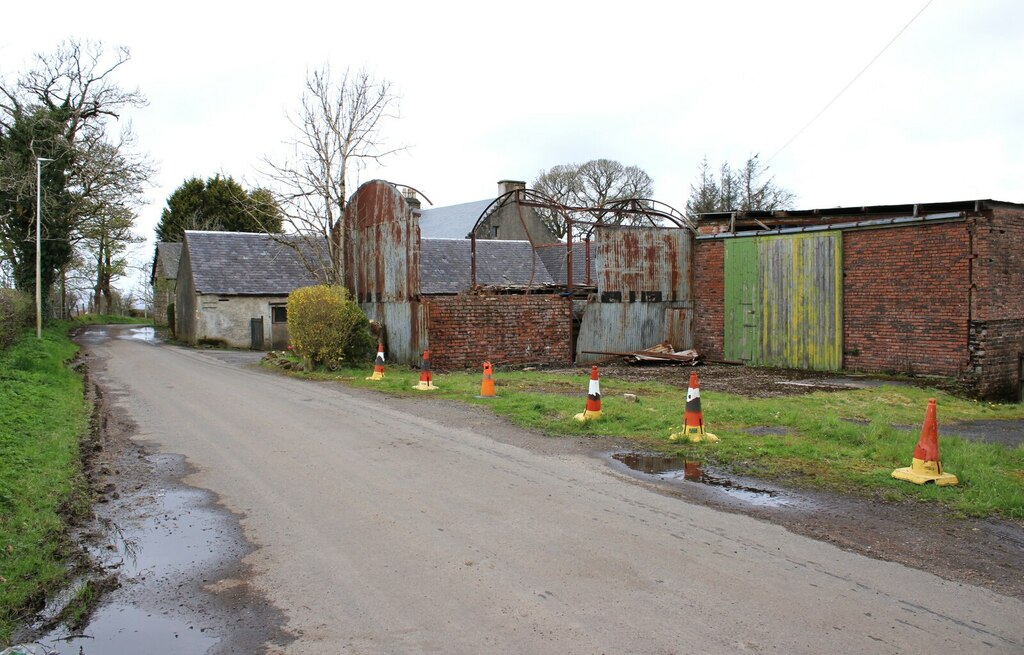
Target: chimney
(504, 186)
(411, 199)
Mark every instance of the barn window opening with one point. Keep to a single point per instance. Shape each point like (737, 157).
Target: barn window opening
(279, 314)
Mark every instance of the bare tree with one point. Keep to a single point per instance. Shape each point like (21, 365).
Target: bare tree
(109, 181)
(340, 131)
(582, 188)
(71, 97)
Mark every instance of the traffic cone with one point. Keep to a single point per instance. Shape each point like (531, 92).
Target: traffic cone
(487, 385)
(426, 383)
(693, 418)
(378, 364)
(925, 466)
(593, 410)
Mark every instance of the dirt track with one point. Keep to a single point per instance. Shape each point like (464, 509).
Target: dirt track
(384, 525)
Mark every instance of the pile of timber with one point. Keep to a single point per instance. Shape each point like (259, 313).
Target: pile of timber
(663, 352)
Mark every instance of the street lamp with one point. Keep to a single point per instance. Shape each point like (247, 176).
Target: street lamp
(39, 247)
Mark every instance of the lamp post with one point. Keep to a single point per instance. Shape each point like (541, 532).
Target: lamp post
(39, 246)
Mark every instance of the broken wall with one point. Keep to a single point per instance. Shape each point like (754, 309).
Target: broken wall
(507, 330)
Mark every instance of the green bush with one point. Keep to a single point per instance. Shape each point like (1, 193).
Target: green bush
(170, 318)
(16, 311)
(325, 325)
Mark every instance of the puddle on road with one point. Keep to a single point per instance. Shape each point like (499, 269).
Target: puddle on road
(121, 628)
(177, 534)
(674, 469)
(139, 334)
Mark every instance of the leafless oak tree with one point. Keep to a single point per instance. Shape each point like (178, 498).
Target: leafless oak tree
(590, 185)
(339, 127)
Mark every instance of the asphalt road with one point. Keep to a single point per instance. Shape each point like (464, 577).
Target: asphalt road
(378, 530)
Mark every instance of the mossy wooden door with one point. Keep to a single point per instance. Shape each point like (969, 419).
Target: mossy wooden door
(783, 300)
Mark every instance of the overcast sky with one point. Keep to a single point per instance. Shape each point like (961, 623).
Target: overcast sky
(504, 90)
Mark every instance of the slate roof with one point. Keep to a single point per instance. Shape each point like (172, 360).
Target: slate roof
(554, 257)
(246, 264)
(167, 255)
(452, 222)
(445, 265)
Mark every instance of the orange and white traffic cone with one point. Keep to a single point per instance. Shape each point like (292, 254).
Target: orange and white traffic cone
(593, 410)
(693, 418)
(487, 385)
(925, 466)
(378, 364)
(426, 383)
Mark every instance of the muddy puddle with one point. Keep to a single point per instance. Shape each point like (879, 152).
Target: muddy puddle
(165, 544)
(684, 471)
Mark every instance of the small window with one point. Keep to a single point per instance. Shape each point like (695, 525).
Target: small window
(279, 314)
(494, 228)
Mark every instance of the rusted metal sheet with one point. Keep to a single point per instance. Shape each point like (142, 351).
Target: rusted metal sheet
(679, 327)
(382, 264)
(381, 245)
(783, 301)
(625, 327)
(644, 264)
(406, 325)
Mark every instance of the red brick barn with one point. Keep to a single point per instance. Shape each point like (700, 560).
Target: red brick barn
(935, 289)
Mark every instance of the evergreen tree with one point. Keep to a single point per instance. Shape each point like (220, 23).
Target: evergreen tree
(219, 203)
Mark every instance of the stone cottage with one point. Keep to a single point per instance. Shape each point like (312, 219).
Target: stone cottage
(232, 287)
(164, 279)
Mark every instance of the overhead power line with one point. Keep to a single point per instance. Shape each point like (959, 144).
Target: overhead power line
(850, 83)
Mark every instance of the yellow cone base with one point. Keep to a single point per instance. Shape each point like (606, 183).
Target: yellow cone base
(922, 472)
(425, 386)
(587, 415)
(693, 434)
(376, 376)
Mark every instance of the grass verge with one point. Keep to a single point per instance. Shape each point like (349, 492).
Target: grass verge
(43, 417)
(840, 441)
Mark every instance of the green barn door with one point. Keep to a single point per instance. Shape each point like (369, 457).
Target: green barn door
(801, 292)
(783, 301)
(742, 304)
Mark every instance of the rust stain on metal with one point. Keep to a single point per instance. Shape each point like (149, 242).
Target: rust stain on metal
(382, 263)
(644, 263)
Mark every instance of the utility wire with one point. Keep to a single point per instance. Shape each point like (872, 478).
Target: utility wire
(850, 83)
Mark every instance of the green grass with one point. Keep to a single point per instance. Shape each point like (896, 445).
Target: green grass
(822, 449)
(43, 413)
(108, 319)
(43, 417)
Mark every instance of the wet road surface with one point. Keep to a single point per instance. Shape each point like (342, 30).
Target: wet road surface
(377, 530)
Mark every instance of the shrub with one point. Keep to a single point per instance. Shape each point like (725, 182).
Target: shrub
(170, 318)
(16, 311)
(362, 347)
(324, 324)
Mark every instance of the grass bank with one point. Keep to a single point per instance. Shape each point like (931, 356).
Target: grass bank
(841, 441)
(43, 417)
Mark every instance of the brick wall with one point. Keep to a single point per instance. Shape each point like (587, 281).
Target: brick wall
(709, 298)
(906, 299)
(995, 351)
(999, 266)
(509, 330)
(997, 329)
